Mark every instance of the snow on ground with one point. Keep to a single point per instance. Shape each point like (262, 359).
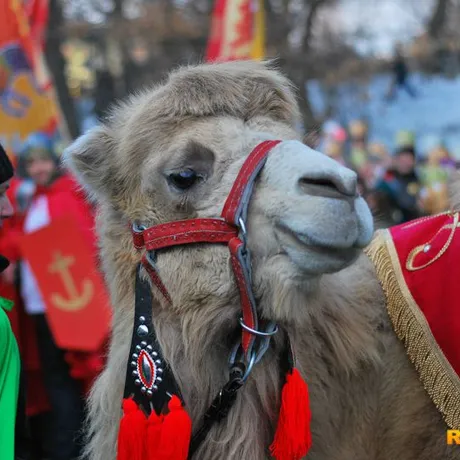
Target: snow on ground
(433, 115)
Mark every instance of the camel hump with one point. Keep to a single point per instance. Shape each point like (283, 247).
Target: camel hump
(417, 266)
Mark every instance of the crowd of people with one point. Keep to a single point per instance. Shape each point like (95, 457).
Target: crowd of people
(52, 381)
(398, 185)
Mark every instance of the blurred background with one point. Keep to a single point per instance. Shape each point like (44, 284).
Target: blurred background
(373, 75)
(378, 86)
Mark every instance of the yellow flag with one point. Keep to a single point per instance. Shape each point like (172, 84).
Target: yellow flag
(258, 45)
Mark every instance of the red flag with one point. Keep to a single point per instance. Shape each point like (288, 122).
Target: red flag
(37, 11)
(237, 30)
(27, 100)
(77, 303)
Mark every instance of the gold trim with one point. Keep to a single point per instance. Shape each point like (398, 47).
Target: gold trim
(421, 220)
(435, 372)
(418, 249)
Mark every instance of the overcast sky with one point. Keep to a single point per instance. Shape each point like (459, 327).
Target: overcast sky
(387, 21)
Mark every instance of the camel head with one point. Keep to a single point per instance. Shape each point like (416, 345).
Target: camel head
(173, 152)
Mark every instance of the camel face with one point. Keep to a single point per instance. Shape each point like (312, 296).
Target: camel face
(174, 152)
(305, 207)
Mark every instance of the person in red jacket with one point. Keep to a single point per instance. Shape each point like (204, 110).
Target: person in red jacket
(46, 194)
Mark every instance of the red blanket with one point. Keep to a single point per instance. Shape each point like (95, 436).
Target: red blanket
(418, 265)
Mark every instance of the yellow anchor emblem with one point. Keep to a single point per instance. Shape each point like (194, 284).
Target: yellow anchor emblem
(76, 300)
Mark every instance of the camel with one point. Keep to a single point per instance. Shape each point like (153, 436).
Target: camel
(307, 228)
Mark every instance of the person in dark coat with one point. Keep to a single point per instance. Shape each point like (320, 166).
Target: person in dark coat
(396, 194)
(401, 74)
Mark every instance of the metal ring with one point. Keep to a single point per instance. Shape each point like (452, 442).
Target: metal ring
(138, 228)
(258, 333)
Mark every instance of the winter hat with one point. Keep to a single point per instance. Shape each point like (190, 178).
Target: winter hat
(405, 138)
(6, 168)
(37, 144)
(40, 143)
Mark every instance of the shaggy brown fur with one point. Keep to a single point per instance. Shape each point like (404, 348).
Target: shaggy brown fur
(366, 399)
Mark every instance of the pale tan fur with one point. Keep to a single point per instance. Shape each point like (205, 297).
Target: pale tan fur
(367, 402)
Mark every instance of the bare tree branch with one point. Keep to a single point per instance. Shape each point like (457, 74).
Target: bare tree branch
(315, 6)
(56, 64)
(438, 18)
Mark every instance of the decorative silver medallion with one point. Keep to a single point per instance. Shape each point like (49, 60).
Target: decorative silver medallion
(147, 366)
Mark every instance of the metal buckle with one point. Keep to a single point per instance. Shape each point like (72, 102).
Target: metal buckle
(237, 356)
(234, 360)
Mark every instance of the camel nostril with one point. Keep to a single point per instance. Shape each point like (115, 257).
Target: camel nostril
(323, 182)
(321, 186)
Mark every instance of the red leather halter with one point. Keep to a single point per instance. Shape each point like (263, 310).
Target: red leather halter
(230, 228)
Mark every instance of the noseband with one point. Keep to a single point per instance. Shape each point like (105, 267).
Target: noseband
(149, 379)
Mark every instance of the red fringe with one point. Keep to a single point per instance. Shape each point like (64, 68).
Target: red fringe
(154, 428)
(131, 435)
(293, 436)
(175, 433)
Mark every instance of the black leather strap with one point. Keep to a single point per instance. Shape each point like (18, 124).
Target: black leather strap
(145, 351)
(226, 397)
(152, 390)
(149, 379)
(219, 408)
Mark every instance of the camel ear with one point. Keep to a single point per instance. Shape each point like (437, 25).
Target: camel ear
(90, 159)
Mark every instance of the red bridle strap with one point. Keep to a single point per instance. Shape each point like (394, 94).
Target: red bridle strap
(188, 231)
(235, 208)
(238, 199)
(228, 229)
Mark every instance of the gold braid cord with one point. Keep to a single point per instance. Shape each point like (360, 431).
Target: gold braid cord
(436, 374)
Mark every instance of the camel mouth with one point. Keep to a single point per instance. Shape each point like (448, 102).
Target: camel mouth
(298, 246)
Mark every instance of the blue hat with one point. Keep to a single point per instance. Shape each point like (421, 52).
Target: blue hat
(37, 141)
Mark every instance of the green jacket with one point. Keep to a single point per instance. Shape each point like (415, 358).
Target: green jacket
(9, 382)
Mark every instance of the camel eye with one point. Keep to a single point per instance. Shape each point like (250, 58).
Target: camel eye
(183, 179)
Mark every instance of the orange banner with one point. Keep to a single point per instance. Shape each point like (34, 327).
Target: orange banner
(27, 102)
(237, 31)
(76, 299)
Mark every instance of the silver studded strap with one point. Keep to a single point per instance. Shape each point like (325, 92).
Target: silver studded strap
(149, 379)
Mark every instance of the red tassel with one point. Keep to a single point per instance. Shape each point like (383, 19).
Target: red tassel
(293, 436)
(154, 428)
(131, 435)
(175, 433)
